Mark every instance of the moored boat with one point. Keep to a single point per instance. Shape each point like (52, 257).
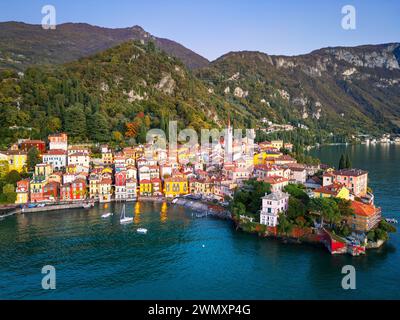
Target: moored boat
(124, 219)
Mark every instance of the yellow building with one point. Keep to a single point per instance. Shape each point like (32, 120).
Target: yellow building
(22, 191)
(146, 188)
(277, 144)
(204, 187)
(265, 157)
(333, 191)
(175, 186)
(17, 160)
(43, 170)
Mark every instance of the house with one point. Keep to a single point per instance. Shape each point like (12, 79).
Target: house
(145, 187)
(57, 158)
(144, 173)
(239, 174)
(29, 144)
(264, 170)
(78, 149)
(175, 186)
(298, 174)
(17, 160)
(105, 191)
(277, 144)
(44, 170)
(131, 189)
(22, 191)
(265, 157)
(201, 186)
(272, 205)
(131, 172)
(58, 141)
(156, 185)
(355, 180)
(335, 190)
(120, 186)
(284, 159)
(277, 183)
(94, 186)
(37, 189)
(73, 191)
(51, 191)
(80, 159)
(365, 217)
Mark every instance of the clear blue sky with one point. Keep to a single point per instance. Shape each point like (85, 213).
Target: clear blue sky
(215, 27)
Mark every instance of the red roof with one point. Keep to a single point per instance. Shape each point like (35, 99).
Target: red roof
(362, 209)
(56, 152)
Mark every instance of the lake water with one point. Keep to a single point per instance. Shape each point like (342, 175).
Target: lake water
(186, 258)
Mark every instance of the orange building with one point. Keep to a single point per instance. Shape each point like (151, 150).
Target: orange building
(365, 217)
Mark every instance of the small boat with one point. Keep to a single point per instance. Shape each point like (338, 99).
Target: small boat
(394, 221)
(124, 219)
(88, 205)
(107, 215)
(142, 230)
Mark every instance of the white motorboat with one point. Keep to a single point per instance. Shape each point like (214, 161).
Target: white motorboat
(107, 215)
(124, 219)
(142, 230)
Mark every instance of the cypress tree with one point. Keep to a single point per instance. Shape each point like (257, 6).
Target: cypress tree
(348, 162)
(342, 162)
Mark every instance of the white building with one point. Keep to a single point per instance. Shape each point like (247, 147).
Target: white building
(58, 141)
(79, 159)
(272, 205)
(57, 158)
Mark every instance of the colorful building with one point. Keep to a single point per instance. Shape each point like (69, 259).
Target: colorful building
(29, 144)
(272, 205)
(17, 160)
(353, 179)
(73, 191)
(335, 190)
(365, 217)
(145, 188)
(175, 186)
(22, 191)
(58, 141)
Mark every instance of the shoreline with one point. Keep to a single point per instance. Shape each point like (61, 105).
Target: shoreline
(201, 209)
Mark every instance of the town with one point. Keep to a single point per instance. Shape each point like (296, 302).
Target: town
(73, 174)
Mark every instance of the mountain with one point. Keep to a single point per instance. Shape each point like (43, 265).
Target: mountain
(338, 88)
(121, 92)
(23, 45)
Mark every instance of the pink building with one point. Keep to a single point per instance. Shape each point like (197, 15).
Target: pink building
(353, 179)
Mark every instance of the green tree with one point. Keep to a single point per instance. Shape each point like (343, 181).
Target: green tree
(12, 177)
(75, 122)
(342, 162)
(348, 164)
(9, 193)
(327, 208)
(98, 127)
(4, 168)
(284, 226)
(296, 208)
(33, 158)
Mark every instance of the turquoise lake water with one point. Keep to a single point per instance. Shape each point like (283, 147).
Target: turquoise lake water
(186, 258)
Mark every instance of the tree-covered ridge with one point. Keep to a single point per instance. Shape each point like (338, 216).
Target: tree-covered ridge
(120, 92)
(334, 89)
